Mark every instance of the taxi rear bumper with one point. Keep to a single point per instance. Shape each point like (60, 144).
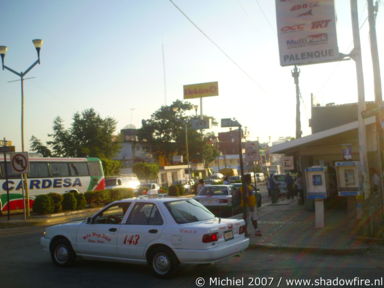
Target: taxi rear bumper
(211, 255)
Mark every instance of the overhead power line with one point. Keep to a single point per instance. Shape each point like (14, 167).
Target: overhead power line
(215, 44)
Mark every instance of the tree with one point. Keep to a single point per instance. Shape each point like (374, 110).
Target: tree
(165, 133)
(37, 146)
(146, 171)
(89, 135)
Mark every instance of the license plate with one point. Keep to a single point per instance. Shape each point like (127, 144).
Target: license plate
(228, 235)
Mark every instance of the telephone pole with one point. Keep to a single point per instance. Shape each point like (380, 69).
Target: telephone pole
(372, 12)
(356, 56)
(295, 75)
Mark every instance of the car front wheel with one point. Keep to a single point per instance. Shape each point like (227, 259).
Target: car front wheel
(163, 262)
(62, 253)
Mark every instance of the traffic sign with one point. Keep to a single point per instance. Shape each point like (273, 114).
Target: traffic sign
(20, 162)
(228, 122)
(7, 149)
(198, 123)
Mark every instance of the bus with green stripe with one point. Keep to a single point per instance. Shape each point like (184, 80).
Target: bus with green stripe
(46, 175)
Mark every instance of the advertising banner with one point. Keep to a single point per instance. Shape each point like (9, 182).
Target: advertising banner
(201, 90)
(306, 31)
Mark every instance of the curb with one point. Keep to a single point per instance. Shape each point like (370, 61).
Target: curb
(317, 250)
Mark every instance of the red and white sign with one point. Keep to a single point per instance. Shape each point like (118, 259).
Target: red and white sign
(20, 162)
(306, 31)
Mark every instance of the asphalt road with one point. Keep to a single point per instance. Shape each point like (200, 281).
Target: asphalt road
(24, 264)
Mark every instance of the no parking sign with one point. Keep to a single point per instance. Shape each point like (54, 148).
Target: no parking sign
(20, 162)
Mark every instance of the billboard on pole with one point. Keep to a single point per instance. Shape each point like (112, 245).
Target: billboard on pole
(201, 90)
(306, 31)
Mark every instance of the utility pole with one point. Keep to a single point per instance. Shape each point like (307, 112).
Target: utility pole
(372, 12)
(295, 75)
(356, 56)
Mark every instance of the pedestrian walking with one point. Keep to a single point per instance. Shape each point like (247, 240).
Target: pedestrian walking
(274, 188)
(251, 204)
(199, 186)
(289, 183)
(299, 186)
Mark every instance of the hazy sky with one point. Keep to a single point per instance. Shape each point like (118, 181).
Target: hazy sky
(107, 55)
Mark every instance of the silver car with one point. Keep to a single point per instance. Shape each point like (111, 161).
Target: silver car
(220, 199)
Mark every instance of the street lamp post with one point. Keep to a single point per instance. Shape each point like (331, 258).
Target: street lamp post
(38, 43)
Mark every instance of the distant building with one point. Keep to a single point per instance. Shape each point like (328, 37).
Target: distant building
(331, 115)
(132, 150)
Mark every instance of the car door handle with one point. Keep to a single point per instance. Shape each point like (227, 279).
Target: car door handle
(153, 231)
(112, 229)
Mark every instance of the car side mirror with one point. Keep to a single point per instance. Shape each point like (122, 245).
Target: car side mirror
(89, 220)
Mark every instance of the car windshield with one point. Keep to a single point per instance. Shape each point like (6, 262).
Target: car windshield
(214, 191)
(187, 211)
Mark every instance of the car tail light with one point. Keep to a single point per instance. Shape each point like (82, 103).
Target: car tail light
(211, 237)
(242, 229)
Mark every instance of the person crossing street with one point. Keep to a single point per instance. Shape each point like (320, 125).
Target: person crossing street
(251, 204)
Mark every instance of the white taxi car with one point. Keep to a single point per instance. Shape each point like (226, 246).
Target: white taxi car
(163, 232)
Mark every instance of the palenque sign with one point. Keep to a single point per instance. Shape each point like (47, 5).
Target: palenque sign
(306, 31)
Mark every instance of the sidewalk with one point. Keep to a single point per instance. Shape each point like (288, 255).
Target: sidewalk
(287, 225)
(284, 225)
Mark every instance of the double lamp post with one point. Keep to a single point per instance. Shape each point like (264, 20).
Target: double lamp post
(38, 43)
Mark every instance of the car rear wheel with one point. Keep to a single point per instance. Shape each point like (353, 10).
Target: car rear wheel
(62, 253)
(163, 262)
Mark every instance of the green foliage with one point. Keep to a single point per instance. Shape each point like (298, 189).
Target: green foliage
(181, 189)
(146, 170)
(40, 148)
(163, 190)
(57, 200)
(173, 190)
(98, 198)
(111, 167)
(165, 133)
(122, 193)
(43, 204)
(89, 135)
(81, 202)
(69, 201)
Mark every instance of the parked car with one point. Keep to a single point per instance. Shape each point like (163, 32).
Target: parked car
(149, 189)
(237, 186)
(234, 179)
(282, 185)
(127, 181)
(188, 185)
(162, 232)
(220, 199)
(260, 177)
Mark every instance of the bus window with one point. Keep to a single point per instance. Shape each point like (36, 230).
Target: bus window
(59, 169)
(78, 169)
(9, 171)
(38, 170)
(95, 169)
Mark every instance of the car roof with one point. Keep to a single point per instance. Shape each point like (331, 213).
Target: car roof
(217, 185)
(151, 199)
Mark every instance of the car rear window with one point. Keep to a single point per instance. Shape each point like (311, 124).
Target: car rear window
(214, 191)
(188, 211)
(111, 182)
